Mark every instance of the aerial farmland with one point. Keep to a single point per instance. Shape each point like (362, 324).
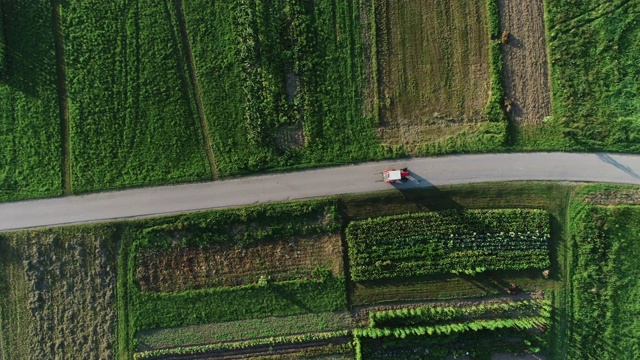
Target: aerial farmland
(100, 98)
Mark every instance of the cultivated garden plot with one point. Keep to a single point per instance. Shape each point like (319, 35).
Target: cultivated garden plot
(185, 268)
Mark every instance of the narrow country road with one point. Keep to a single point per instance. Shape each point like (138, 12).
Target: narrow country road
(358, 178)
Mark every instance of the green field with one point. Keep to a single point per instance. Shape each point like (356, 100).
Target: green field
(132, 115)
(604, 285)
(30, 132)
(594, 51)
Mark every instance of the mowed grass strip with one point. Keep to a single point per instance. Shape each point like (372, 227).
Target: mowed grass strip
(595, 64)
(242, 330)
(132, 115)
(58, 293)
(433, 65)
(30, 133)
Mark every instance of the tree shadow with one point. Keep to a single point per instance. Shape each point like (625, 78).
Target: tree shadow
(611, 161)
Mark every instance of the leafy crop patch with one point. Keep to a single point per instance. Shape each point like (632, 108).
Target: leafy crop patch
(448, 242)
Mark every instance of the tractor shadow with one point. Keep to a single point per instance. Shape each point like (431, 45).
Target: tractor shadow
(424, 194)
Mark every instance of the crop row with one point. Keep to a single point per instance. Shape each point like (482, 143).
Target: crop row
(475, 325)
(240, 345)
(431, 315)
(430, 243)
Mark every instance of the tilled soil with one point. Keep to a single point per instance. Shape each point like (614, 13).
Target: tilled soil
(525, 73)
(71, 284)
(180, 269)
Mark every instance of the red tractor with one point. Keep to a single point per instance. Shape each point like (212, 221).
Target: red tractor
(391, 176)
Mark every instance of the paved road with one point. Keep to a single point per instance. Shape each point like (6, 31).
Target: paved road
(313, 183)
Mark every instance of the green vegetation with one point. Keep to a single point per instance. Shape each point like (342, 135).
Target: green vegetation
(432, 315)
(604, 286)
(3, 45)
(273, 341)
(595, 64)
(132, 115)
(243, 329)
(30, 140)
(448, 330)
(436, 243)
(281, 82)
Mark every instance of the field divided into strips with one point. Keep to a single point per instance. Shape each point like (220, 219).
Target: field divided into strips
(30, 134)
(133, 118)
(280, 82)
(58, 290)
(430, 75)
(595, 63)
(604, 285)
(209, 289)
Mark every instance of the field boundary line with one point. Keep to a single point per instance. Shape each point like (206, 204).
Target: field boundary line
(65, 131)
(204, 125)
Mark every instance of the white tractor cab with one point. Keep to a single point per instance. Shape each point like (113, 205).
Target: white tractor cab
(391, 176)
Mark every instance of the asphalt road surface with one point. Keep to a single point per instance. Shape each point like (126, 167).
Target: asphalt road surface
(358, 178)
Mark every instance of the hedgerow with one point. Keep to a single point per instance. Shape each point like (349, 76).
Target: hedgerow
(431, 243)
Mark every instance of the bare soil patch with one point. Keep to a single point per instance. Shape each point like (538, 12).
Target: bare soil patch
(179, 269)
(289, 137)
(430, 70)
(614, 197)
(69, 280)
(525, 73)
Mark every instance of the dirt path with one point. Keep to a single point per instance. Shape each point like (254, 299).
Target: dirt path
(62, 98)
(204, 124)
(526, 74)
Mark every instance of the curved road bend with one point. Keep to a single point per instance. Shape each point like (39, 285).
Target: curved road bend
(358, 178)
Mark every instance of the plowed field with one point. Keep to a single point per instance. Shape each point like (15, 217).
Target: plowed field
(526, 74)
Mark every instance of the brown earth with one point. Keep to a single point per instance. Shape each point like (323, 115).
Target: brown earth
(525, 73)
(429, 74)
(67, 284)
(614, 197)
(179, 269)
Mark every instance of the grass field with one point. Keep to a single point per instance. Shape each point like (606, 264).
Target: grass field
(30, 132)
(594, 55)
(133, 119)
(243, 329)
(603, 285)
(58, 293)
